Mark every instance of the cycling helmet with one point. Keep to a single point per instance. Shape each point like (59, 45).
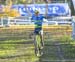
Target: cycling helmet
(36, 11)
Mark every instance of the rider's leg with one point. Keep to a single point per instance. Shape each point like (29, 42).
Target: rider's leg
(41, 36)
(41, 42)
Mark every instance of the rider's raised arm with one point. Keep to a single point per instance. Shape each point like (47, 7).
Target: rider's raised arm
(46, 8)
(45, 20)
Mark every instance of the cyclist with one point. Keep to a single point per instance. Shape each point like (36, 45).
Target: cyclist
(38, 20)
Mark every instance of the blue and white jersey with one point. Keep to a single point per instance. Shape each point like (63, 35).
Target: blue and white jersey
(38, 20)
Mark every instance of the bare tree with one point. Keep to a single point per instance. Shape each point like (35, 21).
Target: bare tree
(46, 11)
(33, 1)
(25, 4)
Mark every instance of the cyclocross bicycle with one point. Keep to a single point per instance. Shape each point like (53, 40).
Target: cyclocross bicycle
(39, 44)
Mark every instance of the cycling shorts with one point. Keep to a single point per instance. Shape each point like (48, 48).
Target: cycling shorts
(37, 30)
